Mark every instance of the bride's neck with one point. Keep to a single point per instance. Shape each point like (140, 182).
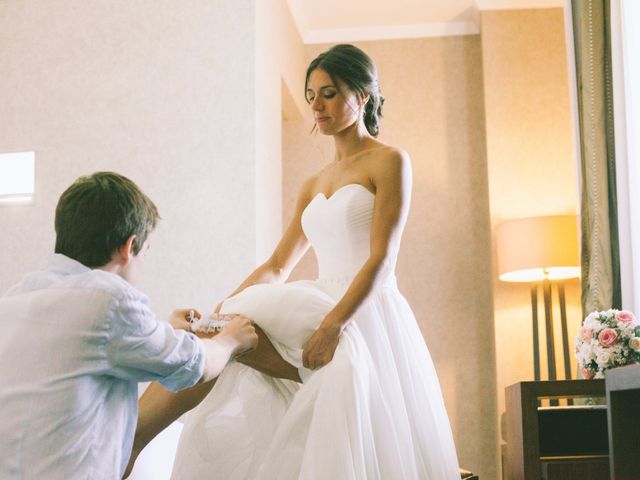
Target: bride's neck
(351, 140)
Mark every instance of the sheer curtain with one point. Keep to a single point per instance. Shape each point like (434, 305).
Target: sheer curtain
(625, 44)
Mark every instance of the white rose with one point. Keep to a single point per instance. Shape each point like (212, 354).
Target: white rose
(581, 359)
(634, 344)
(603, 357)
(586, 353)
(592, 322)
(626, 329)
(592, 316)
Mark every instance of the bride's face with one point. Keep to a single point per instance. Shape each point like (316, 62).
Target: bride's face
(334, 106)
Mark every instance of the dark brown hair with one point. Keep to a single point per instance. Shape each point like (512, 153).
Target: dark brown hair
(98, 213)
(357, 71)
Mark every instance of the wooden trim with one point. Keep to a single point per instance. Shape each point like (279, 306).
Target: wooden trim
(523, 440)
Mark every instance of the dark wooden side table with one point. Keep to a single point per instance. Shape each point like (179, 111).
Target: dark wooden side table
(523, 460)
(623, 401)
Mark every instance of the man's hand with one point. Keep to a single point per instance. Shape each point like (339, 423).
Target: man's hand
(240, 333)
(180, 319)
(236, 337)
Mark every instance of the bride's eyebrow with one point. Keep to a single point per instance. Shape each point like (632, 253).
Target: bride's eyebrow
(311, 90)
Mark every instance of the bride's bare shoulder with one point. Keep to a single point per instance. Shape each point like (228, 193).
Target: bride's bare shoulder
(389, 157)
(309, 186)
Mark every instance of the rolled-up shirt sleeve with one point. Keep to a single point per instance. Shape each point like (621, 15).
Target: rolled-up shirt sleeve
(140, 348)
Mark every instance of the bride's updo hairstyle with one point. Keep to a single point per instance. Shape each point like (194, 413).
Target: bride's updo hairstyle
(357, 71)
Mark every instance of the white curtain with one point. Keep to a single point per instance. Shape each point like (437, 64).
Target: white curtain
(625, 45)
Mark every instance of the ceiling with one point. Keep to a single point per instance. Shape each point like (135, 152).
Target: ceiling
(329, 21)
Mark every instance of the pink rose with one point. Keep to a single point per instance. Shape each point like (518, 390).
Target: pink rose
(586, 334)
(624, 316)
(608, 337)
(586, 373)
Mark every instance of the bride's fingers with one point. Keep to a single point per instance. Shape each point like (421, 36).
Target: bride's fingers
(315, 361)
(305, 355)
(309, 359)
(321, 361)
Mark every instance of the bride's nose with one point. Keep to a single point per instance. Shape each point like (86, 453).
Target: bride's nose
(316, 104)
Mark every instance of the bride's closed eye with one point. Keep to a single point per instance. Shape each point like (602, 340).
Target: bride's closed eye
(326, 94)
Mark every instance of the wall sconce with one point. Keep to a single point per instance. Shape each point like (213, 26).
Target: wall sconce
(541, 251)
(17, 178)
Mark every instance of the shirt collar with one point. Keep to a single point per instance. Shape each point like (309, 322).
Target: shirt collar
(64, 265)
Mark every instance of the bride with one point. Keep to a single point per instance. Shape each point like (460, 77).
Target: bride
(342, 385)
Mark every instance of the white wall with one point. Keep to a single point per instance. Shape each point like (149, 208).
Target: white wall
(279, 61)
(162, 91)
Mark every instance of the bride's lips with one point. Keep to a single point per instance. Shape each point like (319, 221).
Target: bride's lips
(322, 119)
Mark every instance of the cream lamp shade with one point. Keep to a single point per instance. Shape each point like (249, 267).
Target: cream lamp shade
(538, 248)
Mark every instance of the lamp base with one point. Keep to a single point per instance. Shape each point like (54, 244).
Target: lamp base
(547, 290)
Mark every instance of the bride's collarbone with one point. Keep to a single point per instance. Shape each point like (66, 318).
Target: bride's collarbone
(358, 168)
(331, 181)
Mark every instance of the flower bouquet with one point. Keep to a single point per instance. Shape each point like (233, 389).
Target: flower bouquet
(606, 340)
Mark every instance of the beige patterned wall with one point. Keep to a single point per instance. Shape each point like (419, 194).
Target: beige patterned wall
(434, 110)
(530, 163)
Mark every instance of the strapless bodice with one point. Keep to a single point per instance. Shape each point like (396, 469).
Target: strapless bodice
(339, 229)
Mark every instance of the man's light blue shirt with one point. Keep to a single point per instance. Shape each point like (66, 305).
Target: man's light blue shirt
(74, 344)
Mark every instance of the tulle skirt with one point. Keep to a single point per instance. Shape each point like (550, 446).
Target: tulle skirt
(374, 412)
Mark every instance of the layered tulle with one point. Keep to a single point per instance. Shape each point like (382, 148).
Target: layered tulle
(374, 412)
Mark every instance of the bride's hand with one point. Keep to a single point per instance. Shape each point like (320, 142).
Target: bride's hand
(319, 349)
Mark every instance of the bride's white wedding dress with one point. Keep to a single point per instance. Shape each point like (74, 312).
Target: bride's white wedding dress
(374, 412)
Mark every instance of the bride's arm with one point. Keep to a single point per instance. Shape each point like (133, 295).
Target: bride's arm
(288, 252)
(391, 176)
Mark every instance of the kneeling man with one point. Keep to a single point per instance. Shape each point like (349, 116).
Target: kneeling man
(77, 338)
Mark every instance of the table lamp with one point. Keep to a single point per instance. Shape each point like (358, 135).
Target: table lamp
(541, 251)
